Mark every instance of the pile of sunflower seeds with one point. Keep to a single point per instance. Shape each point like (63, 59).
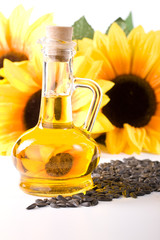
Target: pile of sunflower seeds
(129, 178)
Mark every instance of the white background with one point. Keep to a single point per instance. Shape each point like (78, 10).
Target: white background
(99, 13)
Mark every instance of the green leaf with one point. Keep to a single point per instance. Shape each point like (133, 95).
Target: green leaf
(126, 25)
(81, 29)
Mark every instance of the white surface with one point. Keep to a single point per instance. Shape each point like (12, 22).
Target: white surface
(100, 14)
(121, 219)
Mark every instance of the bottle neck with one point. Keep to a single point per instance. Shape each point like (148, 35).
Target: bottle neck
(56, 108)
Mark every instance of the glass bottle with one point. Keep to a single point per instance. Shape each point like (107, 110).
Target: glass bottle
(56, 157)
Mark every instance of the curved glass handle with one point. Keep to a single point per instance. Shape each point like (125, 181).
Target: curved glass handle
(96, 101)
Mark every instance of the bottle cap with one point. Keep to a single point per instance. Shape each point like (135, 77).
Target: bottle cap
(59, 33)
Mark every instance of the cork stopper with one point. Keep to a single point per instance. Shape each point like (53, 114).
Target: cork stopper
(58, 43)
(59, 33)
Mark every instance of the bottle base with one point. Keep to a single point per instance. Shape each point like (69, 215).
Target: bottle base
(52, 188)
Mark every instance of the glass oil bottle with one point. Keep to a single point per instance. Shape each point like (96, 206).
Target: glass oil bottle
(55, 157)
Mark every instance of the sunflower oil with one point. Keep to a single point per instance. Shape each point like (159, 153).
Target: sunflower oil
(55, 157)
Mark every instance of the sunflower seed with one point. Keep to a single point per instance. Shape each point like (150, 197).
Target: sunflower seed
(42, 204)
(54, 205)
(133, 195)
(32, 206)
(104, 198)
(68, 198)
(125, 193)
(39, 201)
(52, 200)
(73, 203)
(94, 202)
(78, 197)
(128, 178)
(86, 204)
(60, 197)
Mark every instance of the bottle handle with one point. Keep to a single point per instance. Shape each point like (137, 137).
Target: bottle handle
(95, 103)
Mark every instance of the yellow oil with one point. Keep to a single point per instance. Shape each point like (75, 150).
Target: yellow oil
(55, 157)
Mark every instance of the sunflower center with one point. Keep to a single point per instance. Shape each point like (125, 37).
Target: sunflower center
(132, 101)
(31, 111)
(59, 165)
(13, 56)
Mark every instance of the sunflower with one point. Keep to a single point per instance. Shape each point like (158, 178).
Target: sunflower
(132, 63)
(18, 38)
(20, 98)
(64, 161)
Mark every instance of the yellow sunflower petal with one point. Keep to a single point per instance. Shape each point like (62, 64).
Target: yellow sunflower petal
(80, 98)
(94, 70)
(3, 42)
(135, 37)
(84, 44)
(154, 123)
(79, 117)
(7, 141)
(81, 66)
(34, 68)
(43, 153)
(33, 167)
(135, 137)
(79, 54)
(145, 55)
(11, 136)
(157, 93)
(105, 85)
(105, 100)
(154, 75)
(2, 74)
(39, 153)
(3, 18)
(118, 50)
(18, 25)
(107, 71)
(46, 152)
(157, 113)
(152, 141)
(10, 94)
(4, 81)
(101, 42)
(19, 78)
(37, 29)
(62, 148)
(14, 111)
(102, 124)
(10, 126)
(78, 155)
(33, 152)
(115, 141)
(37, 62)
(3, 150)
(128, 149)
